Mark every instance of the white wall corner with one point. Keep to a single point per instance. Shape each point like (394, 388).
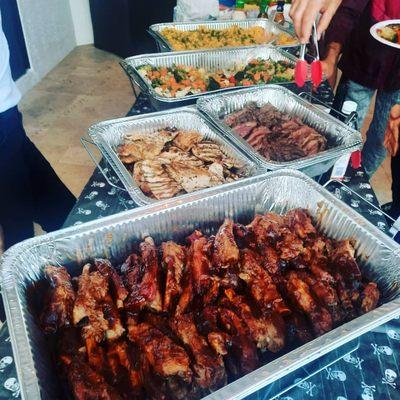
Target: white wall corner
(82, 20)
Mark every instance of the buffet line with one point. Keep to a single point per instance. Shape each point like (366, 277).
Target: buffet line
(230, 268)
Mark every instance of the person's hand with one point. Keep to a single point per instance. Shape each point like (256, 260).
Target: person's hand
(392, 131)
(305, 12)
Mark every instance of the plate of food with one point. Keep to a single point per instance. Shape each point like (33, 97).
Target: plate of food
(387, 32)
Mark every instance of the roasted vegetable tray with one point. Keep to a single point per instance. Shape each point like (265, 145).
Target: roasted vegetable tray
(341, 138)
(115, 237)
(207, 59)
(269, 26)
(108, 135)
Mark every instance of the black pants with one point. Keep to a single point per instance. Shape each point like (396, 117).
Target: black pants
(395, 210)
(30, 190)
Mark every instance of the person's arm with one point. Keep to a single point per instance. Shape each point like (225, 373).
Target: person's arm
(305, 12)
(392, 131)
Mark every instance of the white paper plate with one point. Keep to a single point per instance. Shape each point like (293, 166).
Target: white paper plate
(381, 25)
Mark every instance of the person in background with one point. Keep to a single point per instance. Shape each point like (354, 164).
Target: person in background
(392, 146)
(30, 190)
(305, 12)
(367, 66)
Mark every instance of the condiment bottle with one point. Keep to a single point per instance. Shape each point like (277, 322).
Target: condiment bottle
(264, 5)
(239, 13)
(279, 16)
(349, 109)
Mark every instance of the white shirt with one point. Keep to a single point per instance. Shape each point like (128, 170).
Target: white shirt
(9, 94)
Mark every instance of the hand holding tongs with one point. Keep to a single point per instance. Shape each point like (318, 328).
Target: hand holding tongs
(301, 70)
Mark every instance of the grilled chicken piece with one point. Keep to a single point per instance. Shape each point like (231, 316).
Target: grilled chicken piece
(166, 358)
(226, 251)
(299, 292)
(369, 297)
(343, 260)
(268, 332)
(174, 260)
(261, 286)
(299, 221)
(92, 291)
(185, 140)
(123, 367)
(154, 180)
(208, 152)
(244, 350)
(217, 170)
(117, 287)
(208, 367)
(87, 384)
(143, 279)
(60, 300)
(325, 294)
(176, 154)
(142, 146)
(191, 178)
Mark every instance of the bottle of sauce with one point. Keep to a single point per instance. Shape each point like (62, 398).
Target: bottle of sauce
(279, 16)
(239, 14)
(264, 9)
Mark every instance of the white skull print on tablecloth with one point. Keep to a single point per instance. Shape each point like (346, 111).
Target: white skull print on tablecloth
(91, 195)
(307, 386)
(12, 385)
(389, 378)
(393, 334)
(103, 206)
(341, 398)
(355, 203)
(335, 375)
(382, 350)
(5, 362)
(356, 361)
(367, 391)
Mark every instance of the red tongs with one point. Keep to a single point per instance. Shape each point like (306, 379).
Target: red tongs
(301, 70)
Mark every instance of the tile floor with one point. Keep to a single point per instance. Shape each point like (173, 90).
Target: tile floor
(89, 86)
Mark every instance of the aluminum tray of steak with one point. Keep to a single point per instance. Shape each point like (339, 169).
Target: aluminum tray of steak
(115, 313)
(278, 129)
(206, 72)
(166, 154)
(246, 33)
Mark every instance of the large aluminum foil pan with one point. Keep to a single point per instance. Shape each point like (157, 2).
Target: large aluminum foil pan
(208, 59)
(108, 135)
(116, 236)
(341, 138)
(269, 26)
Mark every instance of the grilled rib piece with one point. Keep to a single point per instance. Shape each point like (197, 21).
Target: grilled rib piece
(299, 292)
(165, 357)
(117, 287)
(369, 297)
(343, 261)
(297, 328)
(299, 221)
(226, 251)
(87, 384)
(60, 301)
(143, 279)
(114, 329)
(244, 351)
(268, 332)
(266, 228)
(261, 286)
(123, 368)
(208, 367)
(174, 260)
(92, 291)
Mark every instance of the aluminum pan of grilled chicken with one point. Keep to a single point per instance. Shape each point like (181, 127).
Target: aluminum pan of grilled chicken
(269, 26)
(278, 129)
(213, 60)
(115, 237)
(160, 164)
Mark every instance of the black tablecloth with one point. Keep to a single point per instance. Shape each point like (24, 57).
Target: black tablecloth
(366, 368)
